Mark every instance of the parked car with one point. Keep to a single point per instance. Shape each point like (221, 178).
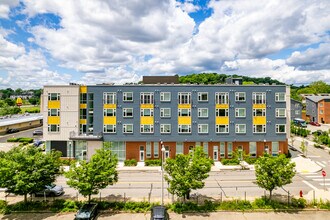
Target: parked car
(87, 212)
(37, 132)
(159, 213)
(314, 123)
(51, 190)
(12, 130)
(37, 143)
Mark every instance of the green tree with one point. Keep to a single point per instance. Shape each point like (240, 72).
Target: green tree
(33, 100)
(272, 172)
(303, 148)
(319, 87)
(89, 177)
(187, 172)
(26, 169)
(10, 102)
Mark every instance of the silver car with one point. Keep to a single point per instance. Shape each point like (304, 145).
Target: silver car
(51, 190)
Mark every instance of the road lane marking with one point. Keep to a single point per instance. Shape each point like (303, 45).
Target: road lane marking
(310, 185)
(320, 164)
(319, 180)
(313, 176)
(327, 184)
(314, 156)
(325, 162)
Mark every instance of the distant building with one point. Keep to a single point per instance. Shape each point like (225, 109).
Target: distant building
(296, 109)
(318, 108)
(236, 81)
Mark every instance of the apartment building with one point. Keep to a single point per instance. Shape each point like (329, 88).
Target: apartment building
(318, 108)
(138, 119)
(296, 109)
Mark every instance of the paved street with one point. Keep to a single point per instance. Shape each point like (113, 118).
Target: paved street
(306, 215)
(24, 133)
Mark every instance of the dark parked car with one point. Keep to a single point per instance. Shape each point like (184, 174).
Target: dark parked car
(159, 213)
(12, 130)
(87, 212)
(314, 123)
(37, 132)
(51, 190)
(37, 143)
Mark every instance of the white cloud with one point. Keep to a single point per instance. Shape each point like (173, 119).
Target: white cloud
(312, 58)
(5, 6)
(188, 6)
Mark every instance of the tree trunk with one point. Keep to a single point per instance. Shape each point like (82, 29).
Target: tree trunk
(25, 197)
(89, 198)
(270, 194)
(188, 194)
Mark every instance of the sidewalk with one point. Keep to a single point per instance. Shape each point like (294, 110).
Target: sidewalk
(305, 165)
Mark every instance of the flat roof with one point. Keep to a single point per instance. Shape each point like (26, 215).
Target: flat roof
(16, 119)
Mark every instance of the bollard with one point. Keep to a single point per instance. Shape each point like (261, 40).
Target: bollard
(314, 197)
(221, 197)
(288, 198)
(124, 197)
(245, 196)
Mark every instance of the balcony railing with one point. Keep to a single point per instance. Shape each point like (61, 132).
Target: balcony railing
(86, 136)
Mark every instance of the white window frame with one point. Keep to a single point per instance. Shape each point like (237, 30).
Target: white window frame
(109, 112)
(222, 150)
(280, 96)
(165, 112)
(109, 98)
(163, 129)
(201, 111)
(143, 129)
(185, 127)
(125, 128)
(278, 112)
(54, 96)
(240, 128)
(229, 149)
(125, 97)
(259, 132)
(221, 98)
(53, 112)
(255, 111)
(253, 149)
(184, 97)
(143, 112)
(275, 148)
(203, 128)
(126, 111)
(182, 110)
(217, 129)
(259, 98)
(156, 149)
(148, 149)
(146, 98)
(277, 128)
(297, 112)
(105, 128)
(200, 96)
(238, 111)
(240, 96)
(217, 112)
(57, 128)
(179, 148)
(163, 96)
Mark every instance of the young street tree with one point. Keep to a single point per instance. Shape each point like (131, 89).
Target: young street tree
(26, 169)
(187, 172)
(89, 177)
(273, 172)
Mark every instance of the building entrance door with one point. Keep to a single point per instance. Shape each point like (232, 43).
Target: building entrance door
(167, 152)
(141, 153)
(215, 153)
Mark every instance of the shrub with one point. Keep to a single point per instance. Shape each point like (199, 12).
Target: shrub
(21, 139)
(299, 203)
(137, 206)
(67, 161)
(131, 162)
(12, 139)
(61, 205)
(324, 205)
(156, 162)
(230, 161)
(250, 160)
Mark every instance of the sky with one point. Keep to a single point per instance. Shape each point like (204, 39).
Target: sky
(55, 42)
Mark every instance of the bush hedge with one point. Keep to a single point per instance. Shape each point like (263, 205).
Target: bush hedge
(21, 139)
(130, 163)
(156, 162)
(233, 161)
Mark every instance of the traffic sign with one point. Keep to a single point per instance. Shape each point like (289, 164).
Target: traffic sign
(324, 173)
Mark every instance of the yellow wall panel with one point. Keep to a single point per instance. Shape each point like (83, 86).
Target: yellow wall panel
(109, 120)
(184, 120)
(221, 106)
(83, 106)
(259, 120)
(83, 121)
(54, 120)
(184, 106)
(147, 106)
(109, 106)
(146, 120)
(259, 105)
(54, 104)
(222, 120)
(83, 89)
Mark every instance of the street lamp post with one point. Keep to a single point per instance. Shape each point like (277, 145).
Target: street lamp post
(163, 151)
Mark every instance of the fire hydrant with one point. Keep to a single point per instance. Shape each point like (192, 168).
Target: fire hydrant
(301, 193)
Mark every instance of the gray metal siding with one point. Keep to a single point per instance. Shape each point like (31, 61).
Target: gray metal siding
(194, 89)
(295, 108)
(311, 109)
